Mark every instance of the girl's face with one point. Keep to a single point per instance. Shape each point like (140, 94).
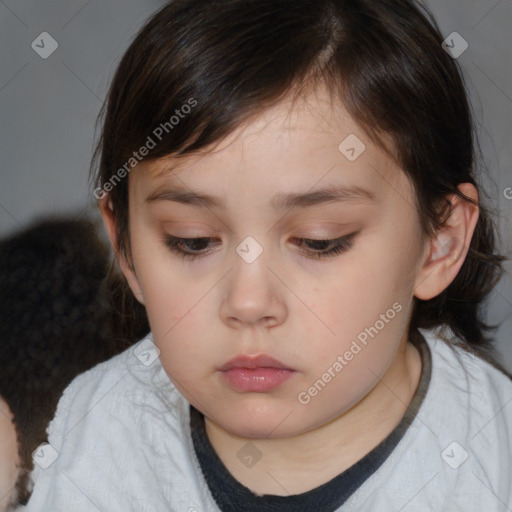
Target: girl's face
(8, 456)
(333, 314)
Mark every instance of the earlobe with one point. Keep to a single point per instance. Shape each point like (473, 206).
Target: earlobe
(447, 251)
(109, 220)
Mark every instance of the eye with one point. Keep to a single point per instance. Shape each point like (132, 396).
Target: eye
(191, 245)
(191, 248)
(327, 248)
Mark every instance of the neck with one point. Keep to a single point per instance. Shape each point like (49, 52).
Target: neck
(303, 462)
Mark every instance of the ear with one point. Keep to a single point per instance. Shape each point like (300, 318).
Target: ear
(109, 219)
(446, 252)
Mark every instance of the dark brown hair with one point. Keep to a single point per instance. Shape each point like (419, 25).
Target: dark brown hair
(383, 60)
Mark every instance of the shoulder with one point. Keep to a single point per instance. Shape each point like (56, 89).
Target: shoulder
(124, 385)
(121, 425)
(468, 392)
(466, 376)
(469, 409)
(456, 454)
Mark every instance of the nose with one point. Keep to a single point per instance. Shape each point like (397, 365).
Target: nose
(254, 295)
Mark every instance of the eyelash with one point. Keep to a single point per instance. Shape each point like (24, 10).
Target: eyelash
(339, 245)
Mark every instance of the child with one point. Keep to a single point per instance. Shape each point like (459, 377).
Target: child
(59, 317)
(290, 190)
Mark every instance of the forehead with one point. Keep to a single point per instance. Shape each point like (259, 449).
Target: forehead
(294, 146)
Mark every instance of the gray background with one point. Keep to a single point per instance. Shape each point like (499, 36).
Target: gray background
(49, 106)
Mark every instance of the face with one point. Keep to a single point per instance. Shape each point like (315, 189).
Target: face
(8, 456)
(308, 255)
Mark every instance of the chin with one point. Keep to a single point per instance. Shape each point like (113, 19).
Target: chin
(258, 420)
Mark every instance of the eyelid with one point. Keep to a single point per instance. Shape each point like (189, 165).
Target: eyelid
(300, 232)
(316, 237)
(190, 229)
(339, 246)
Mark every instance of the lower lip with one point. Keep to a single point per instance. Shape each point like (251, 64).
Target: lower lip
(257, 380)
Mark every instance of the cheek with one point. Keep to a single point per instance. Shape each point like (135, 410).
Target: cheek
(167, 294)
(176, 308)
(385, 271)
(364, 313)
(345, 367)
(354, 297)
(178, 316)
(8, 457)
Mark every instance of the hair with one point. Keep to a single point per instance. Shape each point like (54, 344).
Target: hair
(60, 316)
(383, 61)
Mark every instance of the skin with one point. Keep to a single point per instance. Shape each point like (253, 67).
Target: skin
(8, 456)
(299, 309)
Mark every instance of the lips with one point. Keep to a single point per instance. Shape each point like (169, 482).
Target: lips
(257, 374)
(253, 362)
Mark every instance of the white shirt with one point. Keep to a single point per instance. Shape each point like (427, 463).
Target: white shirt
(122, 439)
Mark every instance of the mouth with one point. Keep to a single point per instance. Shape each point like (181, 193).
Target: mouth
(257, 374)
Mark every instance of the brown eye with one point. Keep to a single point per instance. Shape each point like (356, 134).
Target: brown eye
(187, 247)
(326, 248)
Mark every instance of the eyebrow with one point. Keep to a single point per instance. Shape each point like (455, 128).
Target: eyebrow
(282, 201)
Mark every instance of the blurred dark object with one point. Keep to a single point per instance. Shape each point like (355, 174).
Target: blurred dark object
(63, 309)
